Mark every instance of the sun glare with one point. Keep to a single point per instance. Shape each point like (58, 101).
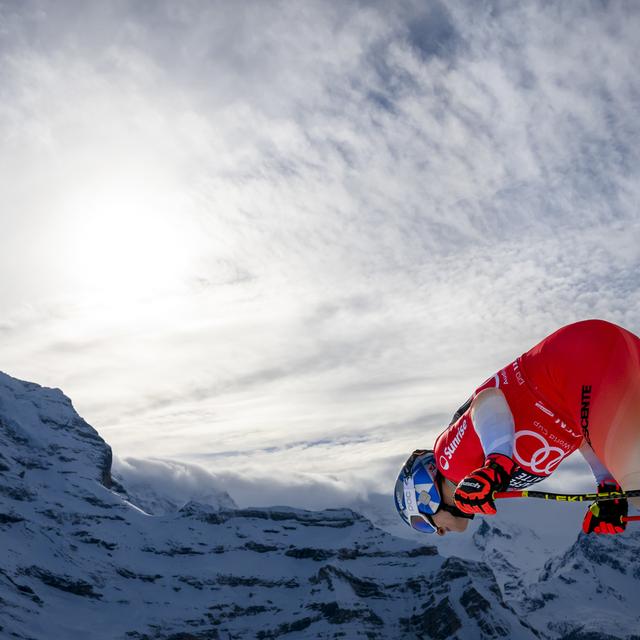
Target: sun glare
(128, 240)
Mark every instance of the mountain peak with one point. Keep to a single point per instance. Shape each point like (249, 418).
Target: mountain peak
(42, 430)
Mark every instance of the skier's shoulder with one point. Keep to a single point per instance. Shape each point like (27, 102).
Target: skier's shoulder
(461, 410)
(487, 393)
(489, 401)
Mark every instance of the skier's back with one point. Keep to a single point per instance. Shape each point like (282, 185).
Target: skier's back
(577, 388)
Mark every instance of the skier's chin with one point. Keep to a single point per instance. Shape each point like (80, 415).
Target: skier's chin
(448, 523)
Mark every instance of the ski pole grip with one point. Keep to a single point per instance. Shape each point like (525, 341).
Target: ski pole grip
(630, 518)
(508, 494)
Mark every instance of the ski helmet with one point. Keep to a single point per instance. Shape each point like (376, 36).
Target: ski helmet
(417, 495)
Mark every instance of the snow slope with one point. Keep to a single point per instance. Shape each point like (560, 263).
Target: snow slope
(80, 559)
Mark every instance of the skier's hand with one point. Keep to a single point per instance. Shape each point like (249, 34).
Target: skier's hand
(474, 493)
(606, 516)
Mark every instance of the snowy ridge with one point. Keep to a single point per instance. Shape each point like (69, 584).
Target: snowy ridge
(81, 559)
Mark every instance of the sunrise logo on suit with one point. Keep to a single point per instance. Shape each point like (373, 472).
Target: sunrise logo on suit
(450, 449)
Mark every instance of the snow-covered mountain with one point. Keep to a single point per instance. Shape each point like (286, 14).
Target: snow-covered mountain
(562, 582)
(84, 557)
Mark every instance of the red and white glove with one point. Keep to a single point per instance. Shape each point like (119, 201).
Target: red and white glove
(606, 516)
(474, 494)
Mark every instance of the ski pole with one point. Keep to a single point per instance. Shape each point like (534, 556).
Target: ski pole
(574, 497)
(570, 497)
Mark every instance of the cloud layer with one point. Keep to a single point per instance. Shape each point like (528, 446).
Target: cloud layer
(297, 236)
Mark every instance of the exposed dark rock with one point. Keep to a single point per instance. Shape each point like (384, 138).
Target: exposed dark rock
(63, 583)
(230, 612)
(479, 608)
(10, 518)
(196, 583)
(96, 502)
(334, 519)
(259, 548)
(421, 551)
(307, 553)
(23, 589)
(32, 463)
(12, 431)
(362, 588)
(335, 614)
(125, 573)
(243, 581)
(87, 538)
(580, 634)
(587, 551)
(174, 551)
(437, 622)
(158, 634)
(18, 493)
(288, 627)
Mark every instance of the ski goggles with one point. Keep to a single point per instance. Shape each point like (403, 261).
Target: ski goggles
(417, 519)
(421, 521)
(424, 523)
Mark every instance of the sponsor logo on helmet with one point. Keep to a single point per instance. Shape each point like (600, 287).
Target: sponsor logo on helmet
(444, 463)
(410, 499)
(424, 498)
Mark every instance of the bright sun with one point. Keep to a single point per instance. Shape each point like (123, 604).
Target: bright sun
(128, 239)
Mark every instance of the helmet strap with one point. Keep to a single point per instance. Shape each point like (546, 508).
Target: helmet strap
(452, 509)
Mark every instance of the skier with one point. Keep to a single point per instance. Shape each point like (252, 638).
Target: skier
(579, 388)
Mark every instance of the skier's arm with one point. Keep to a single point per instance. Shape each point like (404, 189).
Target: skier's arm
(493, 422)
(608, 517)
(600, 472)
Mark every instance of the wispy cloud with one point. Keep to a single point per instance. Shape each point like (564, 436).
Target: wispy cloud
(249, 227)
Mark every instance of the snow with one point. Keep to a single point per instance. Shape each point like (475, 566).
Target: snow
(137, 554)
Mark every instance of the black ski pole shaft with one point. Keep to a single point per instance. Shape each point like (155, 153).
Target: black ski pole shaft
(569, 497)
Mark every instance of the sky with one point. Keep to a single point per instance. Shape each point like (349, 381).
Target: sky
(284, 241)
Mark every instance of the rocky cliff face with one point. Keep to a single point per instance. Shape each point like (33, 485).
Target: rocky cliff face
(81, 559)
(590, 589)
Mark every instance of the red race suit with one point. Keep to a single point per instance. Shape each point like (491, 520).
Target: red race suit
(580, 383)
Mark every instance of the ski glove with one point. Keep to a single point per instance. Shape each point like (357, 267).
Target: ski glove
(606, 516)
(474, 494)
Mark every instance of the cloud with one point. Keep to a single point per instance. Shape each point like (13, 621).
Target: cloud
(166, 485)
(432, 31)
(241, 228)
(163, 485)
